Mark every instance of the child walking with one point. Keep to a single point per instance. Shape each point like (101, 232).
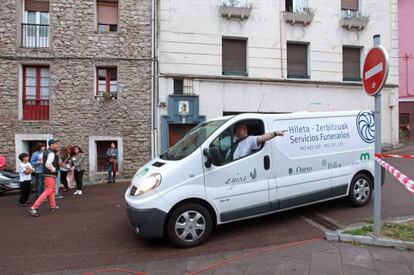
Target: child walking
(25, 177)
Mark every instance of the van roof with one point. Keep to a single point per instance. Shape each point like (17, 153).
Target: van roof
(295, 115)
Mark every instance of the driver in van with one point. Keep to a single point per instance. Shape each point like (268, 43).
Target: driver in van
(245, 144)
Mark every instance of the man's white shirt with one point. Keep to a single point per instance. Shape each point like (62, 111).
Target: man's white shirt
(245, 147)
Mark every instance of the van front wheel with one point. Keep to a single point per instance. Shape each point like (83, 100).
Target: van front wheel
(360, 191)
(189, 225)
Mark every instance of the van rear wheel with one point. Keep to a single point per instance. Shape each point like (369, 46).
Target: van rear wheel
(360, 191)
(189, 225)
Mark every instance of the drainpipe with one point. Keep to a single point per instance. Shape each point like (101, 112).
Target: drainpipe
(281, 41)
(406, 58)
(153, 79)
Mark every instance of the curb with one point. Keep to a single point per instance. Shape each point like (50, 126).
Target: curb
(340, 236)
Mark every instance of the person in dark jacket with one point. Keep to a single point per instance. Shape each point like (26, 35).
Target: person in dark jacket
(112, 164)
(50, 171)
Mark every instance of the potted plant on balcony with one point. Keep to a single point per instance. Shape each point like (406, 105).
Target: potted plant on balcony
(303, 16)
(110, 95)
(354, 20)
(240, 9)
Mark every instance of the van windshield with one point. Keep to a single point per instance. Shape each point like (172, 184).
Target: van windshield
(192, 140)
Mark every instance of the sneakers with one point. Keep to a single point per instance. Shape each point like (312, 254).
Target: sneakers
(33, 212)
(58, 196)
(54, 209)
(78, 192)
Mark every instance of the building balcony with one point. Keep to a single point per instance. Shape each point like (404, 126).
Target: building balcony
(35, 36)
(302, 16)
(354, 20)
(238, 9)
(108, 96)
(35, 109)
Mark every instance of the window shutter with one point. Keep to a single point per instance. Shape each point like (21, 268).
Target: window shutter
(351, 66)
(297, 60)
(350, 5)
(36, 5)
(234, 57)
(107, 13)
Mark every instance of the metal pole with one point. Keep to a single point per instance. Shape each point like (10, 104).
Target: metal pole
(377, 178)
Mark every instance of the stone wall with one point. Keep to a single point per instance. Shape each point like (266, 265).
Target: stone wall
(76, 49)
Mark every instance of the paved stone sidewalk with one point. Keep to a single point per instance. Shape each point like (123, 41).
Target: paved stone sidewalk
(314, 258)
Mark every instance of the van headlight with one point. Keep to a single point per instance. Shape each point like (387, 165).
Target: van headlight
(151, 182)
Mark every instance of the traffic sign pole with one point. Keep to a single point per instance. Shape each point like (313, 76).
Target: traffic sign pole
(377, 178)
(375, 73)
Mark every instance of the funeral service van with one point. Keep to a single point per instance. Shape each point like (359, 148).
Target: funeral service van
(197, 184)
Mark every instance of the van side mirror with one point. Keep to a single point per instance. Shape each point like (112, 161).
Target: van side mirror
(215, 155)
(207, 154)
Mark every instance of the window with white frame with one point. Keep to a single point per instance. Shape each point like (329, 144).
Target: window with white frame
(35, 27)
(351, 8)
(36, 91)
(107, 15)
(107, 82)
(296, 5)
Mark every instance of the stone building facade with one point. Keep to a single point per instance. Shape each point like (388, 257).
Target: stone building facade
(91, 68)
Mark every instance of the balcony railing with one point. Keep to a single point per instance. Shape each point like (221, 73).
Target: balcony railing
(35, 36)
(35, 109)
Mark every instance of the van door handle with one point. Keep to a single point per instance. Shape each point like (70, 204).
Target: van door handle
(266, 162)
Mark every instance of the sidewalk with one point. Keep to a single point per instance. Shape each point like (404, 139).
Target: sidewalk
(309, 257)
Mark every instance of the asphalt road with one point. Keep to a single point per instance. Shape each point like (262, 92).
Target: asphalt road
(92, 231)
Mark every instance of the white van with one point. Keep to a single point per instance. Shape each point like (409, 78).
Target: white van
(196, 185)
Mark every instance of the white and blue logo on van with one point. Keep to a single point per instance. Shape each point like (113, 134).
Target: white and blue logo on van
(366, 126)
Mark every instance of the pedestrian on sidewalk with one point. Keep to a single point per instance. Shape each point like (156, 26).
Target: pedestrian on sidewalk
(71, 177)
(25, 177)
(112, 163)
(58, 196)
(64, 164)
(37, 163)
(78, 161)
(50, 162)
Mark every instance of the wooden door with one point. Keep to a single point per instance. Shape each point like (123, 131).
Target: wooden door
(177, 132)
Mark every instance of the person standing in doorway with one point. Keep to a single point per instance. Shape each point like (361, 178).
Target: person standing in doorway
(25, 177)
(78, 161)
(112, 164)
(51, 166)
(37, 163)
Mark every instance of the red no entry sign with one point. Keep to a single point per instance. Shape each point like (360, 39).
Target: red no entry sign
(375, 70)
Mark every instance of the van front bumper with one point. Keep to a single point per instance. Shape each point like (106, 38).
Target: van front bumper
(147, 223)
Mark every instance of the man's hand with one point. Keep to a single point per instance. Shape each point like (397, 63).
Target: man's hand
(279, 133)
(267, 136)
